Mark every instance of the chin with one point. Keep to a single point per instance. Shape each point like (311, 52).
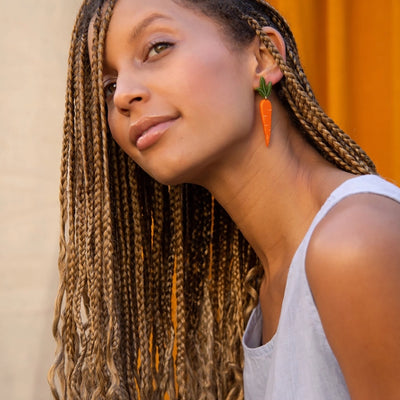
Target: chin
(168, 181)
(170, 170)
(168, 176)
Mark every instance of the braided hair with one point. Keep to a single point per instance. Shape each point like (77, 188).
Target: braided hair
(156, 282)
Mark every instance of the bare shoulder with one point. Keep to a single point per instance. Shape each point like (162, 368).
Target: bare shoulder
(358, 228)
(353, 268)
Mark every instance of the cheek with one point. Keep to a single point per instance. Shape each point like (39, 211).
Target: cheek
(206, 68)
(118, 130)
(112, 123)
(217, 94)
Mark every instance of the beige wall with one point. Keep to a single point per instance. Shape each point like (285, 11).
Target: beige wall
(34, 40)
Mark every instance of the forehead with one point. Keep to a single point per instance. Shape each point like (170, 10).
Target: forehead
(138, 14)
(134, 12)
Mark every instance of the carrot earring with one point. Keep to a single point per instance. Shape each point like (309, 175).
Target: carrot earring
(265, 108)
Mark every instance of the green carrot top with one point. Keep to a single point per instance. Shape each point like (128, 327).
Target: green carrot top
(264, 89)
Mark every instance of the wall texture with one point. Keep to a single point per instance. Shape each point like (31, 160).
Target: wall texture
(34, 40)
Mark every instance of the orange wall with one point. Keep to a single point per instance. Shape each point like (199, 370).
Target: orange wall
(351, 53)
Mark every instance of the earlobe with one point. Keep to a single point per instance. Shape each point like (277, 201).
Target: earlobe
(267, 66)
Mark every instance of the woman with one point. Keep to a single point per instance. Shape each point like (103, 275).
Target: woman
(174, 187)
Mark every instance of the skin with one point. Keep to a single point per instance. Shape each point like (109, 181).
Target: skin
(215, 139)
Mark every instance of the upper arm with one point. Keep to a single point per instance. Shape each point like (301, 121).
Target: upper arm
(353, 268)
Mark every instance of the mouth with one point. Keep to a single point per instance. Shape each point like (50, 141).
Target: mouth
(148, 130)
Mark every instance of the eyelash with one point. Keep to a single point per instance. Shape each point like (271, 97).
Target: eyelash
(153, 45)
(108, 86)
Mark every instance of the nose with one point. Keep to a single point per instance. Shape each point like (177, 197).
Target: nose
(129, 93)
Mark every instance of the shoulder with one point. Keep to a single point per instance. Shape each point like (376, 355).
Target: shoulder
(353, 268)
(361, 226)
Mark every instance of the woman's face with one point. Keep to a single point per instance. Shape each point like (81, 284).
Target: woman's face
(180, 98)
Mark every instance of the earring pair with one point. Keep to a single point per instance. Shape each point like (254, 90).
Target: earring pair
(265, 108)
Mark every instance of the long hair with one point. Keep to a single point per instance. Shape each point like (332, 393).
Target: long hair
(156, 282)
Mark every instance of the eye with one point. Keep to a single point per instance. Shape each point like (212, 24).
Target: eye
(109, 89)
(157, 48)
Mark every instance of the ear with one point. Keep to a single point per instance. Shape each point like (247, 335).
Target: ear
(266, 64)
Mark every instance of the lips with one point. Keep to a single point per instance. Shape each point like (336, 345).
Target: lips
(147, 130)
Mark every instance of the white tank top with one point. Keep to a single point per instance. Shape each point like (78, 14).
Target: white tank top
(298, 363)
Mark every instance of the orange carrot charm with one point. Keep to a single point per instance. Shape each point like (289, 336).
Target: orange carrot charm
(265, 108)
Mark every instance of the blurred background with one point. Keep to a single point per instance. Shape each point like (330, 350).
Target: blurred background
(34, 41)
(350, 50)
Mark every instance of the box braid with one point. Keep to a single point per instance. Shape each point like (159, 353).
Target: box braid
(128, 244)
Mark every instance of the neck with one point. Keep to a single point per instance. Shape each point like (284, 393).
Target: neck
(273, 193)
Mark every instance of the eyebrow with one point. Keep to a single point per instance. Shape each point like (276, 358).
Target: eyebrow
(138, 29)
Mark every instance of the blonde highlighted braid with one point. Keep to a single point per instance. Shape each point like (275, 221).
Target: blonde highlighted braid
(129, 244)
